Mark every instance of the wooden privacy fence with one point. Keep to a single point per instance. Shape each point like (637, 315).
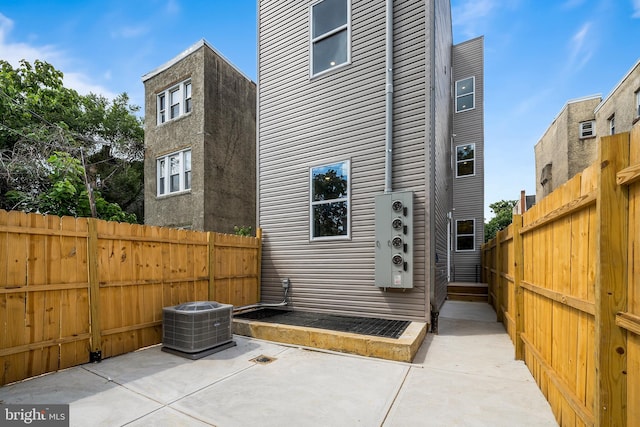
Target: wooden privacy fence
(74, 290)
(564, 278)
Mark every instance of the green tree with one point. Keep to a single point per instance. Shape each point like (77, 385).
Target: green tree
(330, 219)
(503, 215)
(67, 194)
(39, 117)
(242, 230)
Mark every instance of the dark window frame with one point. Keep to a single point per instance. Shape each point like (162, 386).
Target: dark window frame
(340, 202)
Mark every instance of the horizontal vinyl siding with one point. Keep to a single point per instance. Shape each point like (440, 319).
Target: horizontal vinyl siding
(442, 151)
(466, 267)
(339, 116)
(468, 193)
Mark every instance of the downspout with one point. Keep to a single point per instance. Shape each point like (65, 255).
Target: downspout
(431, 244)
(449, 225)
(389, 100)
(285, 301)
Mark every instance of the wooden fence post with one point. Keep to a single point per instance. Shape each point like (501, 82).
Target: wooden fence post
(518, 261)
(482, 263)
(212, 262)
(611, 284)
(95, 355)
(498, 276)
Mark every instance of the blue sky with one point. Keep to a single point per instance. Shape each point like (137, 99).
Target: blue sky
(538, 55)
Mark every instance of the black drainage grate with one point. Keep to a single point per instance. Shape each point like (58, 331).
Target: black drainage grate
(262, 359)
(357, 325)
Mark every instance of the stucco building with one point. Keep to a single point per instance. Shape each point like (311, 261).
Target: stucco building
(570, 143)
(199, 143)
(568, 146)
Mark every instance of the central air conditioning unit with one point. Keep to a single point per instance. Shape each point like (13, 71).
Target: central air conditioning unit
(197, 329)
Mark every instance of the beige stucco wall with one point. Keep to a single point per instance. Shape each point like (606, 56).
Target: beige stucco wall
(581, 152)
(621, 103)
(562, 147)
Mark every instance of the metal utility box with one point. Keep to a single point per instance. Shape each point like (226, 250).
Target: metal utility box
(394, 240)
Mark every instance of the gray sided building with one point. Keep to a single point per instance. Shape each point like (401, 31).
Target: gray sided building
(337, 134)
(467, 217)
(199, 143)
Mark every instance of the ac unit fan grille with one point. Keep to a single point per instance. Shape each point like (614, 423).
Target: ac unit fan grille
(197, 326)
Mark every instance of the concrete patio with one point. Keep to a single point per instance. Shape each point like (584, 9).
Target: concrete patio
(465, 376)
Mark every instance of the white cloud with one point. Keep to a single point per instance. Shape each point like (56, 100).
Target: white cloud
(83, 85)
(13, 53)
(474, 17)
(532, 103)
(173, 7)
(571, 4)
(636, 8)
(130, 32)
(580, 51)
(6, 25)
(470, 13)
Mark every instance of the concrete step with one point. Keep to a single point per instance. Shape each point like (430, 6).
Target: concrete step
(473, 292)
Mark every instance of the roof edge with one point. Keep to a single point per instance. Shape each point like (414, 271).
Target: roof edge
(564, 107)
(191, 49)
(626, 76)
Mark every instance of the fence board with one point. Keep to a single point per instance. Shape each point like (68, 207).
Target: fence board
(580, 271)
(633, 285)
(70, 287)
(611, 285)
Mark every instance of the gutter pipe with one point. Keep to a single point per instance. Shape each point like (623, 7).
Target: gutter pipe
(389, 99)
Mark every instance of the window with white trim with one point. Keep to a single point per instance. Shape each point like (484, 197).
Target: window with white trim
(465, 235)
(330, 199)
(465, 94)
(162, 108)
(330, 35)
(174, 172)
(588, 129)
(612, 124)
(465, 160)
(174, 99)
(178, 98)
(187, 97)
(638, 103)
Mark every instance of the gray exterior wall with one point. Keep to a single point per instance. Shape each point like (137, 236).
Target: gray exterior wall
(440, 146)
(329, 119)
(468, 191)
(230, 146)
(306, 122)
(220, 131)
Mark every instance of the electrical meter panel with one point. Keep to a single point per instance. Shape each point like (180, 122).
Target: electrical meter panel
(394, 240)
